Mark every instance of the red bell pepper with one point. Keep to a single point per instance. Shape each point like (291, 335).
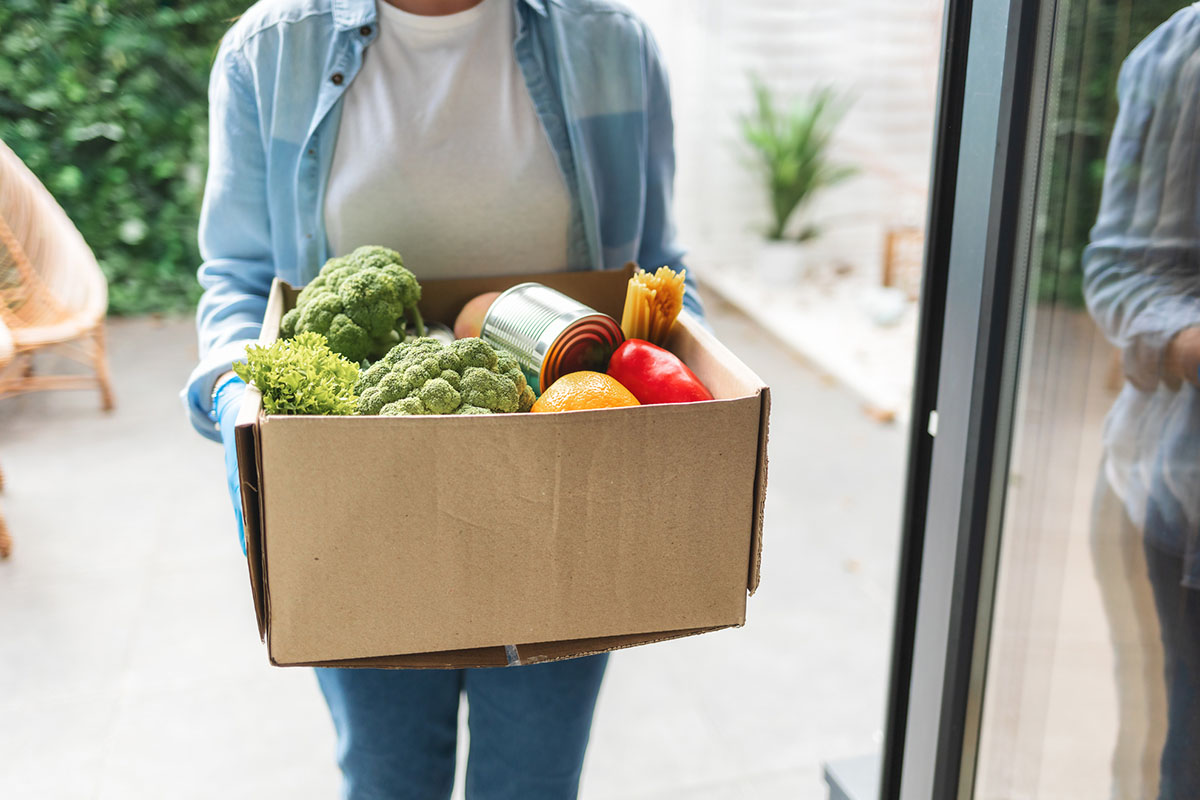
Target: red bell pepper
(655, 375)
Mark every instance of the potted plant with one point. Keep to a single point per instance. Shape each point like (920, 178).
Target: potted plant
(790, 149)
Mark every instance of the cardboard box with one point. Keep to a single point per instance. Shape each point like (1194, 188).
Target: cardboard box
(465, 541)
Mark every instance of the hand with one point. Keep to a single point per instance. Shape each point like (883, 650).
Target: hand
(226, 404)
(1181, 360)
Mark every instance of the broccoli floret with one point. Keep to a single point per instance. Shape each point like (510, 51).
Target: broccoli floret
(471, 410)
(359, 303)
(439, 396)
(424, 376)
(508, 365)
(475, 352)
(489, 390)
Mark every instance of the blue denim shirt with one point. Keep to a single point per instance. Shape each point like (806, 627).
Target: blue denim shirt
(596, 79)
(1141, 280)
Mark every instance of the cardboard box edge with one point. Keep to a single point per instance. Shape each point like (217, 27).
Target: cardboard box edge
(703, 336)
(249, 456)
(452, 659)
(760, 494)
(710, 342)
(248, 439)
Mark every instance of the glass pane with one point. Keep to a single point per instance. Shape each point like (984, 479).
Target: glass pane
(1094, 664)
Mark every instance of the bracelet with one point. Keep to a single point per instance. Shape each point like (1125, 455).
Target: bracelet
(220, 384)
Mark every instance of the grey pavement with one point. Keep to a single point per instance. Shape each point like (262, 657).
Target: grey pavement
(130, 665)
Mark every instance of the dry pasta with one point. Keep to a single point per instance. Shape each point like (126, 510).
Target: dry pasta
(652, 302)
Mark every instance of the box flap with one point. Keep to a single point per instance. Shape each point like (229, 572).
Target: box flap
(714, 364)
(535, 653)
(556, 651)
(726, 376)
(760, 494)
(249, 454)
(282, 296)
(603, 290)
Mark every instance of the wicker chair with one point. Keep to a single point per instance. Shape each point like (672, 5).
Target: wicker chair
(5, 539)
(6, 355)
(52, 292)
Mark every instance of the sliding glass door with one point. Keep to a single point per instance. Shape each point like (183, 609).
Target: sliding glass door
(1048, 637)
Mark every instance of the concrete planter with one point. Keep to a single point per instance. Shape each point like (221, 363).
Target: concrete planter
(780, 263)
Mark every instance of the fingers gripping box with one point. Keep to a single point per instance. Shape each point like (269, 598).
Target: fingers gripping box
(466, 541)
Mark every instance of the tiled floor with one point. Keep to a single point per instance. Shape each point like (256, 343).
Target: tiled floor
(130, 667)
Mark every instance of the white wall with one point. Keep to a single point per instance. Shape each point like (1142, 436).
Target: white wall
(884, 53)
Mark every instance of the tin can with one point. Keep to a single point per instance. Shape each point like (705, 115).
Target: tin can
(549, 334)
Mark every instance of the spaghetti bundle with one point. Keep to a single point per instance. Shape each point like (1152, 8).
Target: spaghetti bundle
(652, 302)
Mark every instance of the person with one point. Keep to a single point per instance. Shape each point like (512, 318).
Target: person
(1142, 285)
(474, 137)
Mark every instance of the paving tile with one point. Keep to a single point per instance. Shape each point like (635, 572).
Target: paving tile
(196, 624)
(266, 736)
(652, 734)
(52, 748)
(62, 528)
(798, 784)
(64, 637)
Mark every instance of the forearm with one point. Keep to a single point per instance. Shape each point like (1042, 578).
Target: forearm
(1143, 310)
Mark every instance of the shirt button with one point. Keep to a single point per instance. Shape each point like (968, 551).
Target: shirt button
(365, 30)
(337, 78)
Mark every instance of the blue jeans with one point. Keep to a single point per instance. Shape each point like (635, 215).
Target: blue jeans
(529, 726)
(1179, 618)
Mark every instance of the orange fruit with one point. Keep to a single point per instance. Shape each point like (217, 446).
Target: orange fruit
(579, 390)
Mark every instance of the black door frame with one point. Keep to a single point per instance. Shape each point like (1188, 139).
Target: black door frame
(993, 77)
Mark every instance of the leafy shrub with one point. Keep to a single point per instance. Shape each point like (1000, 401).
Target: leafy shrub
(790, 149)
(106, 101)
(1098, 35)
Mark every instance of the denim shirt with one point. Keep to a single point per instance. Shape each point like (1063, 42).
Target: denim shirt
(1141, 280)
(596, 80)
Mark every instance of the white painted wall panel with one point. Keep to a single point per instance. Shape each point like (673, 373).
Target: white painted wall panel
(884, 53)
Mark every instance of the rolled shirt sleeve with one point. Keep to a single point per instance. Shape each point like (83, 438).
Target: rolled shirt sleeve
(234, 234)
(1141, 274)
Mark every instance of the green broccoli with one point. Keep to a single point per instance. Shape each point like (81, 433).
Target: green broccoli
(424, 376)
(358, 302)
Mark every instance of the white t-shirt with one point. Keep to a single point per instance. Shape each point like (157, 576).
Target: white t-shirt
(441, 155)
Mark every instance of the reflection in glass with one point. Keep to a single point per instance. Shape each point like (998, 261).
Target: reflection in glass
(1093, 685)
(1141, 283)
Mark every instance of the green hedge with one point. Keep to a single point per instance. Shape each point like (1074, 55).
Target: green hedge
(106, 101)
(1099, 35)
